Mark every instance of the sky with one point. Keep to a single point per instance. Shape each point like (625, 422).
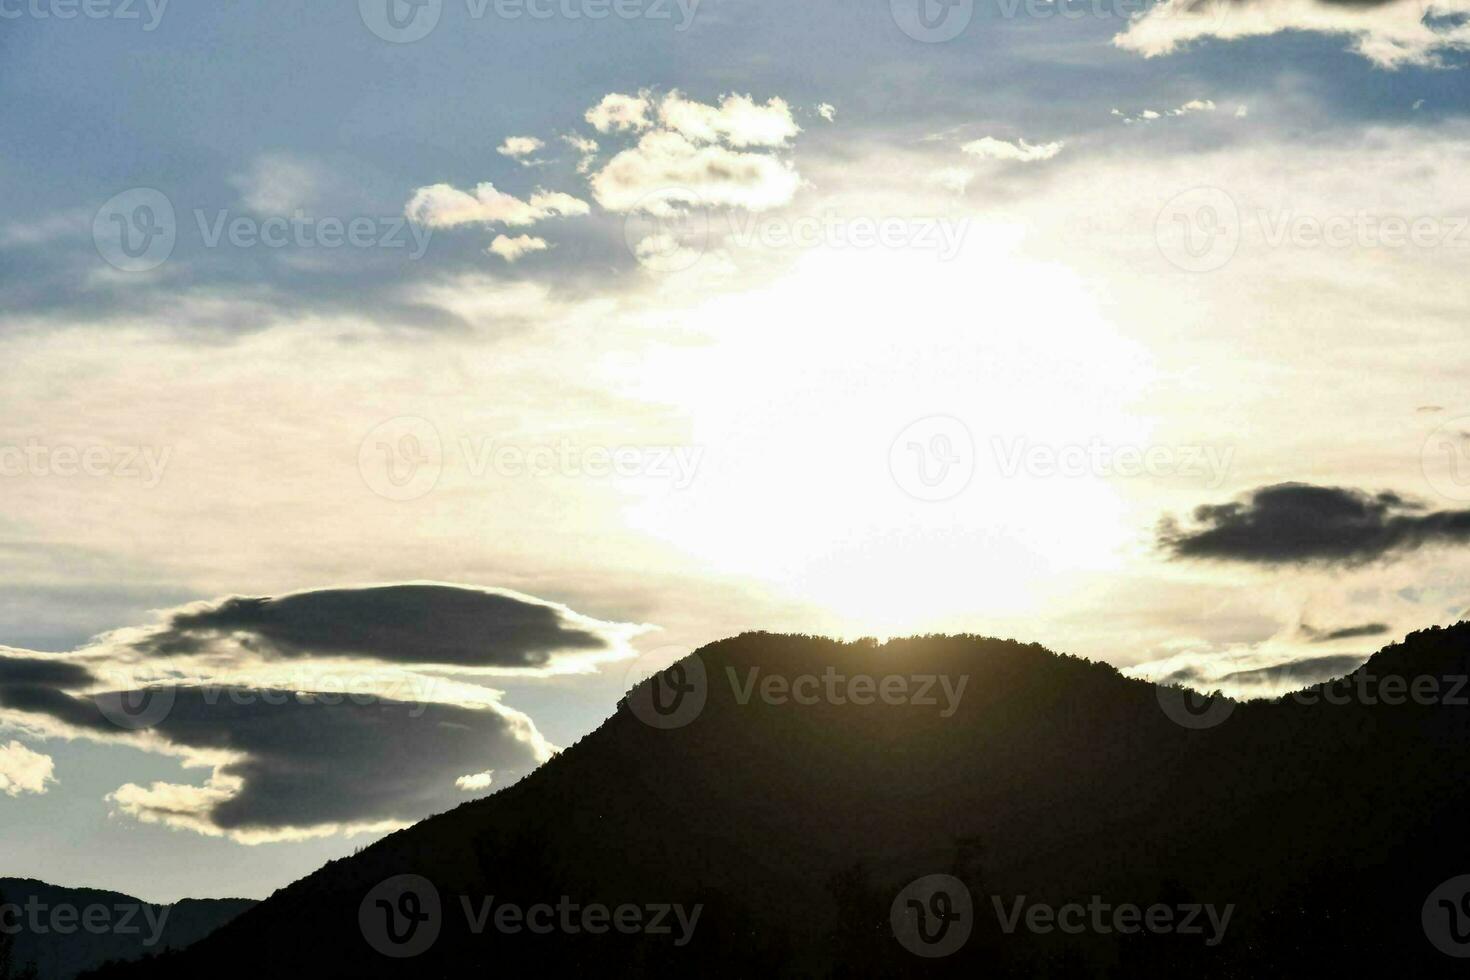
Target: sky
(391, 382)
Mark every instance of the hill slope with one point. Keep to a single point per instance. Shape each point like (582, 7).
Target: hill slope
(63, 932)
(1321, 823)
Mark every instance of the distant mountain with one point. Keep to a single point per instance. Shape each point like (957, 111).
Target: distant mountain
(1088, 824)
(63, 932)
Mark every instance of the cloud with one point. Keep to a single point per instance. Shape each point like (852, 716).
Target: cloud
(447, 625)
(511, 249)
(620, 113)
(277, 184)
(738, 121)
(990, 148)
(1293, 674)
(312, 710)
(586, 147)
(1391, 34)
(1345, 632)
(444, 206)
(1247, 673)
(1193, 105)
(477, 781)
(521, 148)
(24, 771)
(1299, 523)
(290, 765)
(666, 166)
(827, 111)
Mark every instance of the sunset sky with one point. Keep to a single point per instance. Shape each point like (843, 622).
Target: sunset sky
(509, 354)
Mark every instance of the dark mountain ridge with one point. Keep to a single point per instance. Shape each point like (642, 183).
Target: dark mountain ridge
(1322, 820)
(121, 927)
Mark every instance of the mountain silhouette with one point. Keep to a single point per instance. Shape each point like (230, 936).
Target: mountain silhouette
(1329, 824)
(56, 933)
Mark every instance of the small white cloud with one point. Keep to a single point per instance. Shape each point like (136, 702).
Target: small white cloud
(1418, 104)
(586, 147)
(827, 111)
(476, 781)
(990, 148)
(666, 167)
(620, 113)
(953, 179)
(24, 771)
(1389, 35)
(1193, 105)
(1148, 114)
(278, 184)
(511, 249)
(1242, 111)
(738, 120)
(444, 206)
(521, 148)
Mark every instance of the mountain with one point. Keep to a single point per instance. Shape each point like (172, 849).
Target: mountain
(63, 932)
(1066, 803)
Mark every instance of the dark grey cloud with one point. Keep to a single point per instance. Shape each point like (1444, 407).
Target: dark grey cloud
(29, 671)
(1304, 672)
(1344, 632)
(404, 624)
(1311, 670)
(307, 759)
(1299, 523)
